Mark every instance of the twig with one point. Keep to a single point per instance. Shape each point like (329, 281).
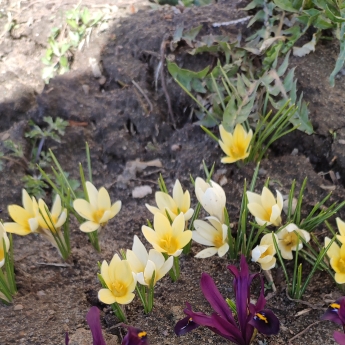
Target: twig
(145, 96)
(171, 114)
(231, 22)
(300, 333)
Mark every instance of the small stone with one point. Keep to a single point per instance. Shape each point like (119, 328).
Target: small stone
(18, 307)
(223, 181)
(294, 152)
(41, 293)
(176, 147)
(86, 89)
(141, 191)
(102, 80)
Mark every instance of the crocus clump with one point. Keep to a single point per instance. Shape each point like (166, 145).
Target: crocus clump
(222, 321)
(336, 313)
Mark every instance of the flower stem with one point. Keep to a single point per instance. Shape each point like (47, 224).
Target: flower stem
(93, 237)
(119, 312)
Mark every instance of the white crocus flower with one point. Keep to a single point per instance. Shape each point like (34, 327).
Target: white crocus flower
(264, 253)
(179, 202)
(212, 233)
(265, 207)
(143, 264)
(288, 238)
(211, 197)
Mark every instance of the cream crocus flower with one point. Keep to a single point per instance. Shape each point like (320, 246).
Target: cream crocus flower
(337, 260)
(166, 238)
(54, 219)
(288, 238)
(3, 249)
(211, 197)
(264, 253)
(25, 219)
(120, 282)
(143, 264)
(236, 145)
(341, 228)
(98, 211)
(212, 233)
(265, 208)
(179, 202)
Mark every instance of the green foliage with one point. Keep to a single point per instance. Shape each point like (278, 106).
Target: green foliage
(62, 44)
(33, 182)
(319, 14)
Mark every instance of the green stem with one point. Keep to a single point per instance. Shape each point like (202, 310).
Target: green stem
(118, 311)
(93, 236)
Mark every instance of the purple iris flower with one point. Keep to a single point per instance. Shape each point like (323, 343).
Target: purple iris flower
(135, 336)
(336, 313)
(249, 316)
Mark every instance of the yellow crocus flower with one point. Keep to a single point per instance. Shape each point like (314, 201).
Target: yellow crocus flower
(54, 219)
(166, 238)
(337, 260)
(120, 282)
(179, 202)
(98, 211)
(341, 228)
(265, 207)
(236, 145)
(25, 219)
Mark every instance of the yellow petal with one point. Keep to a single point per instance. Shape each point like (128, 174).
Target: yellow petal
(103, 199)
(134, 262)
(267, 199)
(164, 200)
(226, 136)
(19, 214)
(62, 219)
(83, 208)
(89, 226)
(254, 198)
(106, 296)
(184, 238)
(150, 235)
(16, 228)
(125, 299)
(57, 208)
(115, 208)
(226, 149)
(229, 160)
(123, 273)
(258, 211)
(334, 250)
(92, 194)
(178, 225)
(206, 253)
(269, 264)
(105, 273)
(161, 225)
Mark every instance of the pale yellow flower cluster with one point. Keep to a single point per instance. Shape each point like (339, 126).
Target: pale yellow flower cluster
(267, 211)
(34, 217)
(168, 236)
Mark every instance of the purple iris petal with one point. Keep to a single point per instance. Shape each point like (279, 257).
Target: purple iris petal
(339, 337)
(92, 318)
(185, 325)
(265, 322)
(66, 339)
(332, 312)
(134, 336)
(341, 312)
(216, 300)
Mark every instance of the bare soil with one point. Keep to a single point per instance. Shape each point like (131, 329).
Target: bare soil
(114, 117)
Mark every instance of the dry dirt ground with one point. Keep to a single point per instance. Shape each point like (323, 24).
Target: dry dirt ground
(116, 120)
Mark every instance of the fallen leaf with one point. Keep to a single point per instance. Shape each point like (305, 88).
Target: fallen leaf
(305, 49)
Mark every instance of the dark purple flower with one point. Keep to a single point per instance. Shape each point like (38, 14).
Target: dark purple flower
(92, 318)
(66, 339)
(135, 336)
(336, 313)
(222, 321)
